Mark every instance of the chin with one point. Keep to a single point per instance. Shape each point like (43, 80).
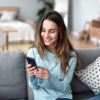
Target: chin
(47, 44)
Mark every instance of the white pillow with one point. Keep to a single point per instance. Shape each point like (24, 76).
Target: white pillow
(91, 76)
(7, 16)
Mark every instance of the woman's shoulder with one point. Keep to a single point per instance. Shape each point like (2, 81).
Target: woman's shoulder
(32, 51)
(72, 53)
(73, 56)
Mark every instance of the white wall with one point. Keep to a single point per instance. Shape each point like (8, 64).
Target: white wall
(27, 8)
(82, 11)
(62, 7)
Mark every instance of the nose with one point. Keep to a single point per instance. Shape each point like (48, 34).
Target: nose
(46, 34)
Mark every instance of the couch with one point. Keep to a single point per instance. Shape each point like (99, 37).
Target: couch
(80, 90)
(14, 77)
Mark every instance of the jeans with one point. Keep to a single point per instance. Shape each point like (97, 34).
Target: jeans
(63, 99)
(97, 97)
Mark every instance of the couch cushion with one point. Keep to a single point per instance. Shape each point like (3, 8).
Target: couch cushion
(97, 97)
(82, 96)
(77, 83)
(87, 56)
(12, 75)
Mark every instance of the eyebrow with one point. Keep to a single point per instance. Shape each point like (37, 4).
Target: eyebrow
(50, 29)
(53, 29)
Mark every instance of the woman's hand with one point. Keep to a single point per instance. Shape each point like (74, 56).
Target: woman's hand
(42, 74)
(31, 70)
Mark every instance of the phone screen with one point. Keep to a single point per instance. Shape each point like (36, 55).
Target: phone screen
(32, 62)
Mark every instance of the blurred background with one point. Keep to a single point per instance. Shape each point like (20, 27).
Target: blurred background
(82, 19)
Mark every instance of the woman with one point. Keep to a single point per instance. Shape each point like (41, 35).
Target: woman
(56, 60)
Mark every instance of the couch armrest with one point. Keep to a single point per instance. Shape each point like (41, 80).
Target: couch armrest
(12, 75)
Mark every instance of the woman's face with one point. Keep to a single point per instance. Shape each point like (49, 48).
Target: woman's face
(49, 33)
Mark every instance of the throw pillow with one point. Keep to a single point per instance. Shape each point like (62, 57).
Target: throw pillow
(7, 16)
(91, 76)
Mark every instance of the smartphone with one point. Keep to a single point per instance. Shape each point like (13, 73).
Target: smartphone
(32, 62)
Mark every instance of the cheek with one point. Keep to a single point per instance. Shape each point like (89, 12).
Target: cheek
(56, 36)
(41, 35)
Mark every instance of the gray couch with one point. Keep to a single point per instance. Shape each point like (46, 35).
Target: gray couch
(14, 80)
(80, 90)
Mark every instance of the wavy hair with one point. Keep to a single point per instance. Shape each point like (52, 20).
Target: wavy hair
(63, 45)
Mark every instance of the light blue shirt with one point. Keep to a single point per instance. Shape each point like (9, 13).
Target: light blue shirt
(56, 85)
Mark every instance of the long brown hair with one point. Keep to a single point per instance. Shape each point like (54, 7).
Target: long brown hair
(63, 46)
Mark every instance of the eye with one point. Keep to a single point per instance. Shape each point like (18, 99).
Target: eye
(42, 30)
(52, 31)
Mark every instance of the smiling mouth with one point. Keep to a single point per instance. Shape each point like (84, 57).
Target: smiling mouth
(47, 40)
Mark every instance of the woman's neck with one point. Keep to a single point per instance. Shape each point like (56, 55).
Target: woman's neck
(51, 49)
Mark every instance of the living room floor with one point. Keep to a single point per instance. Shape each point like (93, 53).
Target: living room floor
(81, 44)
(77, 44)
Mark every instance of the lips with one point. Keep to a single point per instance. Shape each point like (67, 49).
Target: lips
(47, 40)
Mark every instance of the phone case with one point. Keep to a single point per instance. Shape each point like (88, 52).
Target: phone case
(32, 62)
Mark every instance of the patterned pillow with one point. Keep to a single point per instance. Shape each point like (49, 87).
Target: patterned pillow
(91, 76)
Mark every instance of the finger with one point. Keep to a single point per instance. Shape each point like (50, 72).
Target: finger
(31, 69)
(28, 66)
(35, 71)
(40, 72)
(32, 74)
(40, 76)
(41, 67)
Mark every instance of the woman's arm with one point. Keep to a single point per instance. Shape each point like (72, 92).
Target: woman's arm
(33, 81)
(60, 84)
